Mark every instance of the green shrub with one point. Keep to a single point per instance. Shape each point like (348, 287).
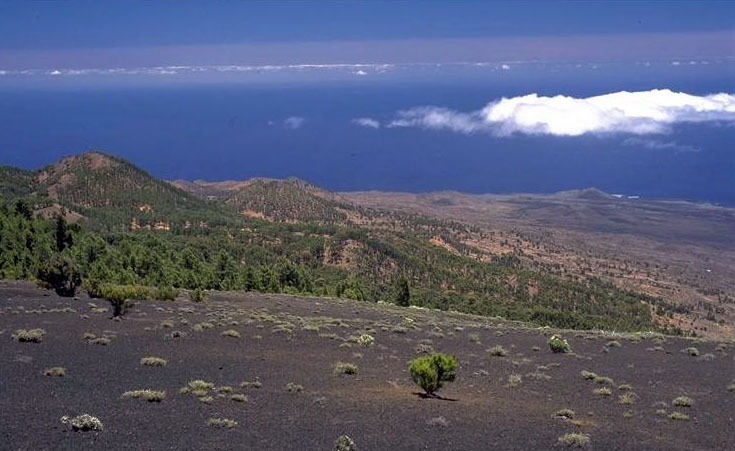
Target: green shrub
(165, 294)
(60, 274)
(198, 295)
(118, 295)
(431, 371)
(559, 345)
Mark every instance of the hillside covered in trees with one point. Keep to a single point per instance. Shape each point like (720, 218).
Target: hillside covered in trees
(106, 221)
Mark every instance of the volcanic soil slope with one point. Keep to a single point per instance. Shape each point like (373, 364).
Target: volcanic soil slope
(251, 371)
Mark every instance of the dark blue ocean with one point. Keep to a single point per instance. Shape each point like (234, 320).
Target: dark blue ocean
(235, 130)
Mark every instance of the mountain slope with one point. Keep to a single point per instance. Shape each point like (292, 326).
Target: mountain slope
(112, 191)
(15, 182)
(275, 200)
(299, 239)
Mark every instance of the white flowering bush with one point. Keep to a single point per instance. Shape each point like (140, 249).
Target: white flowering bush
(559, 344)
(84, 422)
(365, 340)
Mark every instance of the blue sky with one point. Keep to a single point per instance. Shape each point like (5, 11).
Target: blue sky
(131, 34)
(33, 25)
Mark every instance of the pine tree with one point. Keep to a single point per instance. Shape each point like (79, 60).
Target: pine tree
(403, 293)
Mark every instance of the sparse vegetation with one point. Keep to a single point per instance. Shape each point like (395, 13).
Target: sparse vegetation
(57, 371)
(221, 422)
(345, 368)
(366, 340)
(692, 351)
(567, 414)
(29, 335)
(588, 375)
(293, 387)
(514, 380)
(679, 416)
(602, 391)
(682, 401)
(251, 384)
(146, 394)
(230, 333)
(627, 398)
(575, 439)
(497, 351)
(344, 443)
(153, 361)
(239, 397)
(84, 422)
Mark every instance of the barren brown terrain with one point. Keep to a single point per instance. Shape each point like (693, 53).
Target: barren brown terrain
(497, 402)
(678, 251)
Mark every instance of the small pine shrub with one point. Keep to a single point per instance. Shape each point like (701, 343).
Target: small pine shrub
(198, 295)
(559, 345)
(432, 371)
(165, 294)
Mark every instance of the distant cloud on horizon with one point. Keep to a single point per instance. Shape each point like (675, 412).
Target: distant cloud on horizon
(293, 122)
(366, 122)
(638, 113)
(655, 144)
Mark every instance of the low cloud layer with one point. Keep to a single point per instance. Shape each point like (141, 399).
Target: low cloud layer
(638, 113)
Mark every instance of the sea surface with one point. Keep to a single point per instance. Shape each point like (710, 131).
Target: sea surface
(302, 127)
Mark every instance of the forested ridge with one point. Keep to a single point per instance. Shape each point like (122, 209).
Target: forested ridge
(137, 230)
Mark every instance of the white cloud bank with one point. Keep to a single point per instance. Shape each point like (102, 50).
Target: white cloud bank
(366, 122)
(639, 113)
